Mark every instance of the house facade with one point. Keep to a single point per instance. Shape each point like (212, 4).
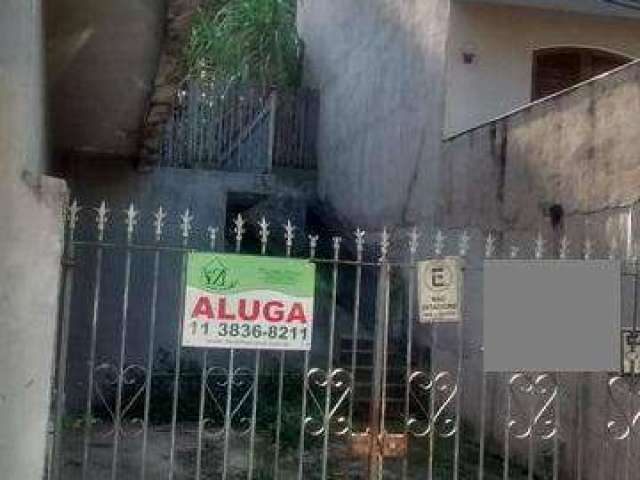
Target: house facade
(404, 84)
(507, 116)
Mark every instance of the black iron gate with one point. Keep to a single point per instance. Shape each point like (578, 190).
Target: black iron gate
(378, 396)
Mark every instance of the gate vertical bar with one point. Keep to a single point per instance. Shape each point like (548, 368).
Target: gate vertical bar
(204, 376)
(359, 234)
(439, 246)
(463, 249)
(158, 223)
(413, 248)
(67, 278)
(313, 241)
(580, 413)
(378, 406)
(489, 252)
(101, 219)
(264, 238)
(185, 224)
(507, 427)
(239, 223)
(483, 421)
(273, 111)
(332, 328)
(289, 230)
(131, 222)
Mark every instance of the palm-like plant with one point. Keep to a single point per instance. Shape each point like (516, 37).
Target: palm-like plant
(248, 41)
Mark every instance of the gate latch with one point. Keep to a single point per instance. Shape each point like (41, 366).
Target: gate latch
(389, 445)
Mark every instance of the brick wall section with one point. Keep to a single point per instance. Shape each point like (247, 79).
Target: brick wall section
(168, 77)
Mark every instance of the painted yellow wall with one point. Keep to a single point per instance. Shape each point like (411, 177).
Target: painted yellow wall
(504, 39)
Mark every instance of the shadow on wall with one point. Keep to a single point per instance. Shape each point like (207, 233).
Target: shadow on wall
(379, 67)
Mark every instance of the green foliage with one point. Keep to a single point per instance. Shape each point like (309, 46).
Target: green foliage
(245, 41)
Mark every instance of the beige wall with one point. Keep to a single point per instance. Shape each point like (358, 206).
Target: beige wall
(30, 246)
(504, 38)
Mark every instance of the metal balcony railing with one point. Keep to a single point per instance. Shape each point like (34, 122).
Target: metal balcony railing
(635, 4)
(242, 129)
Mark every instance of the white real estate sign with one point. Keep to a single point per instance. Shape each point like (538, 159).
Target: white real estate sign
(439, 290)
(248, 302)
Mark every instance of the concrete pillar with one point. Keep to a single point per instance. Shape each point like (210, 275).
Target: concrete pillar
(30, 246)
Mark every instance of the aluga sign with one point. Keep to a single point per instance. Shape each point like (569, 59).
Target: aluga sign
(248, 302)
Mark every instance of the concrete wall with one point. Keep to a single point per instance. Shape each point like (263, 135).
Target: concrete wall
(30, 247)
(504, 39)
(102, 59)
(379, 66)
(577, 149)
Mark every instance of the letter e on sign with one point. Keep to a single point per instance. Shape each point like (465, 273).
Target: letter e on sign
(439, 290)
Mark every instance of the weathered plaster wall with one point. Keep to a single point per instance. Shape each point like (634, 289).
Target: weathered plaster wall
(30, 247)
(102, 59)
(577, 150)
(379, 66)
(504, 39)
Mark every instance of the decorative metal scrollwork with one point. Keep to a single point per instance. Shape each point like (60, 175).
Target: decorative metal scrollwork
(623, 419)
(340, 383)
(437, 415)
(539, 419)
(217, 389)
(107, 377)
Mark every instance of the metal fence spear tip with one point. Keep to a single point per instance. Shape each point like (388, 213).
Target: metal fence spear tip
(239, 226)
(588, 249)
(313, 244)
(101, 217)
(439, 242)
(539, 246)
(490, 246)
(185, 223)
(463, 244)
(384, 244)
(72, 214)
(213, 233)
(289, 232)
(336, 247)
(131, 220)
(414, 238)
(158, 221)
(564, 247)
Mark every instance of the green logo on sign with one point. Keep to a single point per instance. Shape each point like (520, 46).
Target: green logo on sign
(216, 276)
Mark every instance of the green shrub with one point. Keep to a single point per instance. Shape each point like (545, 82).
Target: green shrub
(245, 41)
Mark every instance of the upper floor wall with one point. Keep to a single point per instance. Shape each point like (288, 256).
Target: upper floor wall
(502, 41)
